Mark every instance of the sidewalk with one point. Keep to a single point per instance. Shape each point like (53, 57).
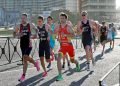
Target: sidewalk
(71, 78)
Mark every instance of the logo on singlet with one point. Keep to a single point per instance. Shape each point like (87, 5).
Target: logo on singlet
(85, 29)
(42, 33)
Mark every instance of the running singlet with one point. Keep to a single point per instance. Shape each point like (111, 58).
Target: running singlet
(103, 30)
(86, 34)
(25, 39)
(52, 38)
(43, 34)
(63, 39)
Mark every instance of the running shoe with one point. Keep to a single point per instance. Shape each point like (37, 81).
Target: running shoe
(77, 67)
(37, 66)
(22, 78)
(49, 65)
(44, 74)
(59, 77)
(88, 67)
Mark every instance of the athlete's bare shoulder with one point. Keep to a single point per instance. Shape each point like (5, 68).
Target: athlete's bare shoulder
(69, 26)
(32, 26)
(17, 27)
(57, 26)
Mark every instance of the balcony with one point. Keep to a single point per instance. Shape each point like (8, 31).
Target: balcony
(101, 10)
(98, 4)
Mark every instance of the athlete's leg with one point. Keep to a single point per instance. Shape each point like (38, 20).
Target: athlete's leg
(91, 56)
(88, 56)
(41, 55)
(71, 53)
(103, 49)
(68, 62)
(25, 65)
(42, 63)
(60, 55)
(87, 50)
(25, 59)
(110, 43)
(113, 43)
(59, 67)
(52, 55)
(63, 66)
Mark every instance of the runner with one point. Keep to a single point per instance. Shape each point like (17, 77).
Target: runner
(65, 32)
(114, 33)
(103, 36)
(23, 31)
(66, 56)
(44, 46)
(85, 27)
(109, 35)
(95, 36)
(52, 39)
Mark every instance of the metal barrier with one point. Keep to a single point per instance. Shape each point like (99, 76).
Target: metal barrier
(11, 46)
(101, 81)
(3, 50)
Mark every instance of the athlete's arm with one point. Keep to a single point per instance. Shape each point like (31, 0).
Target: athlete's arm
(33, 27)
(48, 29)
(79, 28)
(16, 32)
(70, 30)
(56, 30)
(94, 26)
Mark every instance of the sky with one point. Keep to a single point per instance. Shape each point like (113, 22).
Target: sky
(117, 3)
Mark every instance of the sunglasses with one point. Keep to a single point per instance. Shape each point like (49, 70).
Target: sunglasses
(83, 15)
(39, 21)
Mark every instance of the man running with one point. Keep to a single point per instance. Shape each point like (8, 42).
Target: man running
(44, 46)
(114, 32)
(52, 39)
(95, 36)
(103, 35)
(109, 35)
(65, 32)
(66, 56)
(85, 27)
(23, 31)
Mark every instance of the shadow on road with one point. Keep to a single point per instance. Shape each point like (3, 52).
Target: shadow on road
(72, 70)
(108, 50)
(32, 81)
(98, 57)
(81, 57)
(48, 83)
(10, 63)
(80, 82)
(8, 68)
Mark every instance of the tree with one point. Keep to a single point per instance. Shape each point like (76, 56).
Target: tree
(73, 17)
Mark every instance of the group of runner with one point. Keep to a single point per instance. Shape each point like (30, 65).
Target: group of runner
(63, 32)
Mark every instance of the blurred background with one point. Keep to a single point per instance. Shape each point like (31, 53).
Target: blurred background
(99, 10)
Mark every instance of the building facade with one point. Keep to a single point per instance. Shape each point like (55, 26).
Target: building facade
(38, 6)
(13, 8)
(101, 10)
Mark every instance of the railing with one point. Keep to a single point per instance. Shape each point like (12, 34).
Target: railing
(114, 79)
(9, 46)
